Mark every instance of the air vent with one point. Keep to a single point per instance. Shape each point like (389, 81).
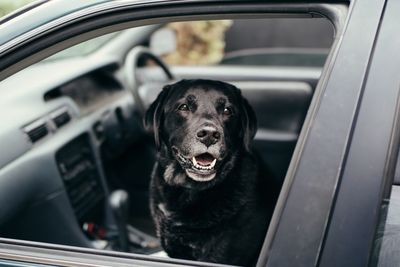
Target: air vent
(36, 130)
(61, 118)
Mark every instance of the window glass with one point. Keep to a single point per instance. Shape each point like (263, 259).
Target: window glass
(251, 42)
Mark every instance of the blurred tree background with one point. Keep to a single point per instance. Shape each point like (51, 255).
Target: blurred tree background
(7, 6)
(198, 42)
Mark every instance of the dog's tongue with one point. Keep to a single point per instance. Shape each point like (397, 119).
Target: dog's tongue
(204, 159)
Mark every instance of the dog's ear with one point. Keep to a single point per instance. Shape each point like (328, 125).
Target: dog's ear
(154, 115)
(249, 123)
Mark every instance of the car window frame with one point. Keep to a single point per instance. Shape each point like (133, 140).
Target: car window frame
(44, 46)
(372, 156)
(315, 175)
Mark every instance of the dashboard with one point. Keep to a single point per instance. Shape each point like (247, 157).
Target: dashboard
(54, 127)
(90, 91)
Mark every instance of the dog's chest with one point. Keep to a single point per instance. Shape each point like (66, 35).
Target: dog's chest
(188, 220)
(179, 235)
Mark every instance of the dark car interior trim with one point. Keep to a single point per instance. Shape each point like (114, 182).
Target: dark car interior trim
(314, 177)
(371, 160)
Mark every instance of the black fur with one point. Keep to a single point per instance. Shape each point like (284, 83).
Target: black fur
(219, 215)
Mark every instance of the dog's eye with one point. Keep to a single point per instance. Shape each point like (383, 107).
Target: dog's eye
(183, 107)
(227, 111)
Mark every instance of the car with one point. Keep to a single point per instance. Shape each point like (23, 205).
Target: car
(75, 160)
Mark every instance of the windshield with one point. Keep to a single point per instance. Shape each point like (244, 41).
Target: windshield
(84, 48)
(7, 6)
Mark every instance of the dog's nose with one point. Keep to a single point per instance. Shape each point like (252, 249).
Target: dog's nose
(208, 135)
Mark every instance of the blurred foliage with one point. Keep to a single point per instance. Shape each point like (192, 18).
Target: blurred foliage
(198, 42)
(7, 6)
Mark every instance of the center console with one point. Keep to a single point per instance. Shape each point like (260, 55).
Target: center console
(82, 181)
(86, 194)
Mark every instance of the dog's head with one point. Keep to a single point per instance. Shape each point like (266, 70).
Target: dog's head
(200, 127)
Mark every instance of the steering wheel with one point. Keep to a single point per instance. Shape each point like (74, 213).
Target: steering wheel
(131, 72)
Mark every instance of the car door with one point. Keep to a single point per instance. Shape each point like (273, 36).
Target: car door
(298, 229)
(361, 221)
(307, 250)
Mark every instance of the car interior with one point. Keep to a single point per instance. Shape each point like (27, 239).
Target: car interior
(75, 159)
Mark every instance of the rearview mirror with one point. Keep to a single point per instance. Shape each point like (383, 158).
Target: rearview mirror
(163, 41)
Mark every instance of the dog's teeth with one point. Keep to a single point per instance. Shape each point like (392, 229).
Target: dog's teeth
(213, 163)
(201, 167)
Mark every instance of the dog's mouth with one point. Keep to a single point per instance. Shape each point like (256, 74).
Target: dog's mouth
(200, 168)
(204, 161)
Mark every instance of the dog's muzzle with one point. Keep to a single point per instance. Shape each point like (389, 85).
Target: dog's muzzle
(200, 168)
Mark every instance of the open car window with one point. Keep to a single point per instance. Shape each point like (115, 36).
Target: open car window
(255, 42)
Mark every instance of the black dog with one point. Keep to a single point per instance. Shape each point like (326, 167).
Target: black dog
(208, 199)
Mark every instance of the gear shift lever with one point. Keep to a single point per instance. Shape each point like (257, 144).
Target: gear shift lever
(119, 203)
